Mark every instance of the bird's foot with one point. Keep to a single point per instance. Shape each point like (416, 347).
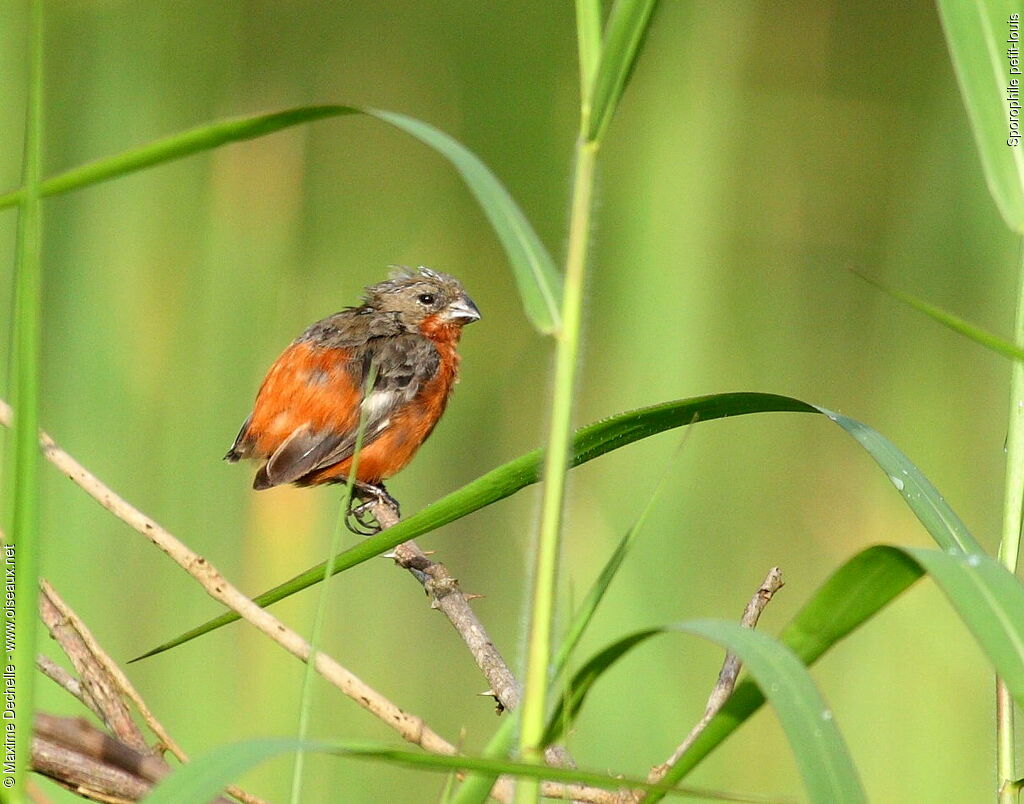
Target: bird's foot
(360, 517)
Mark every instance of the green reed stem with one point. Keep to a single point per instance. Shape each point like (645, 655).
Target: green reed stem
(21, 551)
(538, 658)
(1009, 545)
(306, 698)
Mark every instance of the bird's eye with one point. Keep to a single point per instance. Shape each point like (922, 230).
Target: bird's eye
(425, 298)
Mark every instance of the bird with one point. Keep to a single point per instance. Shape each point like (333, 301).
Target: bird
(392, 361)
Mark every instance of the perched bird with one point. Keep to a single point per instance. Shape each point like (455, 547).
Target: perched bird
(306, 416)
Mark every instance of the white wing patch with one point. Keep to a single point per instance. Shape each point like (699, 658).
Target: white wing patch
(379, 403)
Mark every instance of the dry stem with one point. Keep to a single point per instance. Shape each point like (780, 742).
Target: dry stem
(727, 677)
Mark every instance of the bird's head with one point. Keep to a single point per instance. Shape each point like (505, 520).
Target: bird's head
(424, 301)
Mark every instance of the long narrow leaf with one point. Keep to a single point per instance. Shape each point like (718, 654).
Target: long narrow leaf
(977, 334)
(595, 440)
(21, 551)
(977, 32)
(990, 601)
(821, 755)
(588, 44)
(986, 596)
(537, 278)
(627, 25)
(476, 789)
(204, 777)
(539, 282)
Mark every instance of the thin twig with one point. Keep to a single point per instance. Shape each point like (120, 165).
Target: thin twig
(730, 671)
(447, 597)
(67, 682)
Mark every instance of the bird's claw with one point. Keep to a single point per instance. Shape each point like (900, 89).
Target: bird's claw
(360, 518)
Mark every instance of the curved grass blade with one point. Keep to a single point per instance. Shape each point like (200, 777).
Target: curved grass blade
(537, 278)
(977, 334)
(203, 778)
(618, 431)
(976, 33)
(539, 282)
(624, 33)
(588, 443)
(990, 601)
(986, 596)
(854, 593)
(821, 755)
(476, 789)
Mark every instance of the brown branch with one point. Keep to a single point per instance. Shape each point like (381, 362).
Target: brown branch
(103, 689)
(727, 677)
(447, 597)
(92, 764)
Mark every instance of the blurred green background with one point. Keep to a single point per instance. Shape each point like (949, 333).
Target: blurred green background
(761, 151)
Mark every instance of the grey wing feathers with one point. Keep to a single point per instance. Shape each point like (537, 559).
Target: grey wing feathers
(403, 364)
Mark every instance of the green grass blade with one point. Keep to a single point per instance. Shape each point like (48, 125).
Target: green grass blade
(476, 789)
(537, 278)
(857, 591)
(588, 43)
(21, 551)
(179, 146)
(585, 613)
(204, 777)
(821, 755)
(539, 282)
(595, 440)
(977, 33)
(627, 24)
(990, 601)
(986, 596)
(818, 747)
(588, 443)
(987, 339)
(571, 701)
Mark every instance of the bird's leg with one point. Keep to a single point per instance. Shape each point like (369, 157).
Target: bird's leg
(359, 518)
(375, 492)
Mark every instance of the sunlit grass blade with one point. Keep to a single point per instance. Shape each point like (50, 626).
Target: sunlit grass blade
(584, 614)
(204, 777)
(537, 278)
(624, 33)
(987, 339)
(976, 32)
(21, 550)
(590, 442)
(983, 593)
(821, 755)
